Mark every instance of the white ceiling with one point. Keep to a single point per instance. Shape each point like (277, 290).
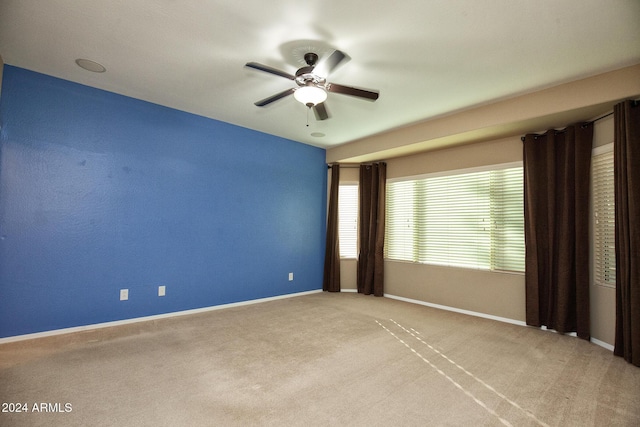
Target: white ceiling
(427, 58)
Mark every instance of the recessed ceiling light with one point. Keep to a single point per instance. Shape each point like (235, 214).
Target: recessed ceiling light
(90, 65)
(317, 134)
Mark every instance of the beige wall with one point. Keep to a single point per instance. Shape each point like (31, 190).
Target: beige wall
(486, 135)
(496, 294)
(553, 107)
(490, 293)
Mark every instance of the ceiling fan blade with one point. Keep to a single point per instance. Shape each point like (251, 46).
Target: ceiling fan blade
(320, 110)
(275, 97)
(271, 70)
(330, 62)
(353, 91)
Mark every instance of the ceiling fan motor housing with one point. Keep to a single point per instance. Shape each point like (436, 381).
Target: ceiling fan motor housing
(305, 75)
(309, 79)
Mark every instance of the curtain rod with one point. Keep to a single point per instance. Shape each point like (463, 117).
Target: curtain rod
(634, 103)
(352, 166)
(601, 117)
(583, 125)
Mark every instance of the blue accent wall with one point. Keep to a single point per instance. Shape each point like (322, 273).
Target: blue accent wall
(101, 192)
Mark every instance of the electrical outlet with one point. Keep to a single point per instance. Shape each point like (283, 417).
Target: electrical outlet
(124, 294)
(161, 290)
(290, 277)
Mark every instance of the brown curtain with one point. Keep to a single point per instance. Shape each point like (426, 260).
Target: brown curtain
(372, 191)
(331, 280)
(556, 205)
(626, 156)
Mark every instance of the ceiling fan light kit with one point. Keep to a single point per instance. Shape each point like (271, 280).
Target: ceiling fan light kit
(312, 83)
(310, 95)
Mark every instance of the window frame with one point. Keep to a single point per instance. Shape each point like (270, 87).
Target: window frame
(601, 278)
(454, 264)
(341, 224)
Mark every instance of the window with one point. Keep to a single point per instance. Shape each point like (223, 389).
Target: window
(603, 216)
(466, 219)
(348, 220)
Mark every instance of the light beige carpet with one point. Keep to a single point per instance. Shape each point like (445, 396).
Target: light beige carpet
(316, 360)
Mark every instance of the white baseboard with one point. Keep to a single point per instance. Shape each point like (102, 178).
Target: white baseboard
(147, 318)
(488, 316)
(602, 344)
(257, 301)
(458, 310)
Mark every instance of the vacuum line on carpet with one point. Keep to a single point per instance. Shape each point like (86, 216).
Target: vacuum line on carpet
(415, 334)
(451, 380)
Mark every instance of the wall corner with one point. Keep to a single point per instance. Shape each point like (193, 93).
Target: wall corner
(1, 69)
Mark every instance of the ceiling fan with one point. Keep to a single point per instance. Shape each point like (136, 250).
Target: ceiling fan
(312, 85)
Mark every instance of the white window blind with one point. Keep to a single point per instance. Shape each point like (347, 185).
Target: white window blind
(507, 217)
(400, 239)
(472, 220)
(348, 220)
(604, 219)
(454, 227)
